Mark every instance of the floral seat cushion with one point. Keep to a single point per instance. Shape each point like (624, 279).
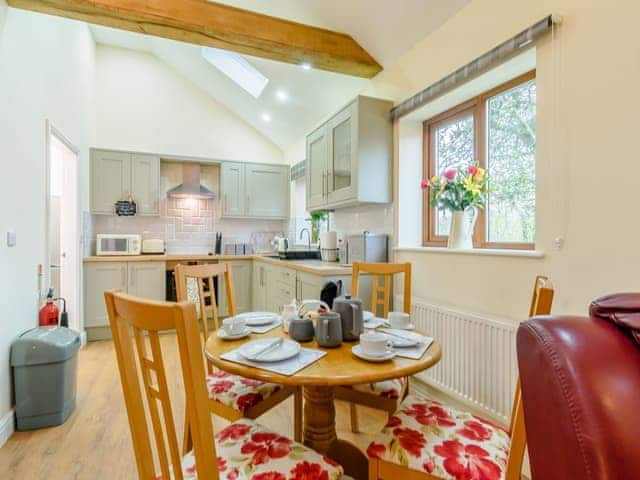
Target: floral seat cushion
(249, 451)
(238, 392)
(428, 436)
(388, 389)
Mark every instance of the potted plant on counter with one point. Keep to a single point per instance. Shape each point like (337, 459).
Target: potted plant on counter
(462, 191)
(318, 218)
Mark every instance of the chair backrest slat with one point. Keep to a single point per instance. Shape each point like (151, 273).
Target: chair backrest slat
(384, 272)
(205, 278)
(134, 323)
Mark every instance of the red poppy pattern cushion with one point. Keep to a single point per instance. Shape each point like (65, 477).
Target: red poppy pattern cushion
(428, 436)
(249, 451)
(238, 392)
(388, 389)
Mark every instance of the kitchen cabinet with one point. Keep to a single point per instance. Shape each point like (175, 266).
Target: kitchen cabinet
(232, 189)
(141, 279)
(251, 190)
(241, 273)
(267, 191)
(116, 175)
(147, 280)
(259, 287)
(349, 158)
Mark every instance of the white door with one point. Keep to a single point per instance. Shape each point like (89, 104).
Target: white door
(64, 239)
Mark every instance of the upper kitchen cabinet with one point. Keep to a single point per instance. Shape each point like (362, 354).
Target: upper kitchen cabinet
(349, 157)
(116, 175)
(251, 190)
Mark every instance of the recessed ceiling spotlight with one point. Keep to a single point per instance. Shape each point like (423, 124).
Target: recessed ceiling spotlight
(266, 117)
(305, 66)
(282, 95)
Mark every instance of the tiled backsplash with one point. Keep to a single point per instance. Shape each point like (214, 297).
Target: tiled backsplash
(187, 225)
(373, 218)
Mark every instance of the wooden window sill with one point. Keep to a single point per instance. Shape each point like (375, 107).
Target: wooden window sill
(496, 252)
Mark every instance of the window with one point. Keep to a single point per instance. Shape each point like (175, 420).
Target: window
(497, 130)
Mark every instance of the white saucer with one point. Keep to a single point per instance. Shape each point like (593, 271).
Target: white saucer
(255, 319)
(367, 315)
(411, 326)
(357, 351)
(236, 336)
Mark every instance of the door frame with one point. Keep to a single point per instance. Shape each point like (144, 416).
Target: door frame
(52, 130)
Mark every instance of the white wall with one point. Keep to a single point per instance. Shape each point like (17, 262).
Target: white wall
(144, 105)
(587, 153)
(46, 72)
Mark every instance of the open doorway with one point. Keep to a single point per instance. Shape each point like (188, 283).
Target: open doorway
(63, 245)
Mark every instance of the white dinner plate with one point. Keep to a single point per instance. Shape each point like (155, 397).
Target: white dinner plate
(236, 336)
(357, 351)
(251, 350)
(255, 319)
(367, 315)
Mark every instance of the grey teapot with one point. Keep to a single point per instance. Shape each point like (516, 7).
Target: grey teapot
(351, 313)
(301, 328)
(329, 330)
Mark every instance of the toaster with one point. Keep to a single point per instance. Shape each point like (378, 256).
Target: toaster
(153, 246)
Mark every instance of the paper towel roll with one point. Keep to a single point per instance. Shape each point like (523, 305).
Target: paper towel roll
(328, 240)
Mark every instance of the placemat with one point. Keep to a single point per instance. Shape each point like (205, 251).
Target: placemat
(266, 328)
(285, 367)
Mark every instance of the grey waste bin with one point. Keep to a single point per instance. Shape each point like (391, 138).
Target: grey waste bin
(44, 362)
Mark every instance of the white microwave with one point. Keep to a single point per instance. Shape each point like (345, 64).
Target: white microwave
(118, 244)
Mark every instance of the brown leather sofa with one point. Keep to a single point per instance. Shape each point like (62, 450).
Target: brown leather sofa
(580, 381)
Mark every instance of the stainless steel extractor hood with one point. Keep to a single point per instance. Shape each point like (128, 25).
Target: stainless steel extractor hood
(190, 186)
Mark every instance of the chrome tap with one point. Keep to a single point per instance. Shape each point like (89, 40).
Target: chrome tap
(308, 236)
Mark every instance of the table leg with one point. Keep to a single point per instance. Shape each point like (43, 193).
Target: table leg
(320, 432)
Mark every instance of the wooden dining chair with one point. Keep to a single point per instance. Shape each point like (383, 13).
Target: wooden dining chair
(230, 396)
(237, 451)
(382, 395)
(428, 440)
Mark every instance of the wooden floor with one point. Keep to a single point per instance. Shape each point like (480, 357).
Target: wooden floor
(95, 444)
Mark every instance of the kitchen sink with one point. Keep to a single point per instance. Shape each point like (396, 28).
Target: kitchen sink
(297, 255)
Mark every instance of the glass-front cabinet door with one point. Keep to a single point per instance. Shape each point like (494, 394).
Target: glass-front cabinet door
(317, 169)
(342, 142)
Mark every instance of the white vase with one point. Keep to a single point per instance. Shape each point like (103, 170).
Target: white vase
(461, 232)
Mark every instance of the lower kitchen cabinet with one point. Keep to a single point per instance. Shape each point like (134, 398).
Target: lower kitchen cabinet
(259, 287)
(142, 279)
(241, 272)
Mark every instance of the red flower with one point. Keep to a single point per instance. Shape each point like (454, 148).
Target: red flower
(221, 386)
(309, 471)
(219, 374)
(376, 450)
(467, 462)
(430, 415)
(490, 423)
(250, 382)
(450, 174)
(428, 465)
(266, 445)
(473, 169)
(222, 464)
(424, 184)
(410, 440)
(393, 422)
(234, 431)
(331, 461)
(269, 476)
(475, 431)
(233, 474)
(248, 400)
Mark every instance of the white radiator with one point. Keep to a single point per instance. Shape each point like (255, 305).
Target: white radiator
(478, 364)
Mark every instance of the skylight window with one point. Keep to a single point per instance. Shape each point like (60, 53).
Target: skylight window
(237, 69)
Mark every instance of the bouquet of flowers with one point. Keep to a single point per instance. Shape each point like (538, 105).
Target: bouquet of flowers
(458, 188)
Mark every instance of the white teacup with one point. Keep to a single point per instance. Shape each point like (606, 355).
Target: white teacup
(374, 344)
(234, 326)
(399, 319)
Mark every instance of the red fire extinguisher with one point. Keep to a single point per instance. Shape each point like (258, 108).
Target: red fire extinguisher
(49, 312)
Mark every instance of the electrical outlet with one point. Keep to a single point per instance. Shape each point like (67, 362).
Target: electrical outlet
(558, 243)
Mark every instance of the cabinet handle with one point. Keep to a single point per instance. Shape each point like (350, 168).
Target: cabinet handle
(225, 205)
(323, 176)
(122, 274)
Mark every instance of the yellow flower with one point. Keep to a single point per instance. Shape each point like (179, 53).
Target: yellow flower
(444, 184)
(435, 179)
(479, 174)
(471, 186)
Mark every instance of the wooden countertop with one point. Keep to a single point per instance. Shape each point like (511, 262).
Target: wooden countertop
(315, 267)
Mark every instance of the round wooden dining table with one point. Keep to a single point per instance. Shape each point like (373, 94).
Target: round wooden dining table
(338, 367)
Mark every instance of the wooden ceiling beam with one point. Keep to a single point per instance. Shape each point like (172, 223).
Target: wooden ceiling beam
(220, 26)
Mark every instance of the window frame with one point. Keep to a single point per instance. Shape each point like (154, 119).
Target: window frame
(477, 107)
